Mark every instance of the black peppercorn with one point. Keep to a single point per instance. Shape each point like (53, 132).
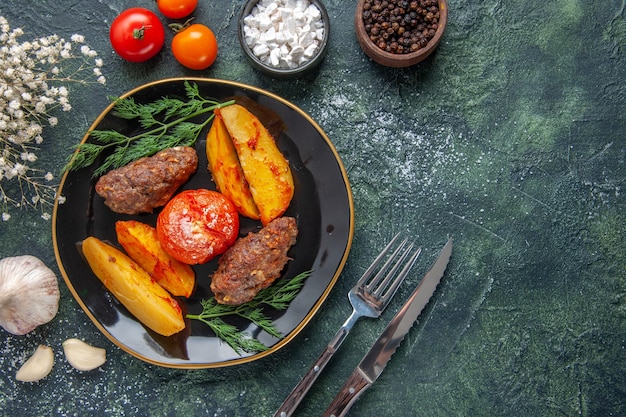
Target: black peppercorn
(400, 26)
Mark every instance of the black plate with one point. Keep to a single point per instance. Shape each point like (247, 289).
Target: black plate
(322, 205)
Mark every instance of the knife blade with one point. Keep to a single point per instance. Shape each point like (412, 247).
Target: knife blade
(375, 360)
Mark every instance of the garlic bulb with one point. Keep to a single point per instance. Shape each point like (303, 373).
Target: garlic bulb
(83, 356)
(38, 366)
(29, 294)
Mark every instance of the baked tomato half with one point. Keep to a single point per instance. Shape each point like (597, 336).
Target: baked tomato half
(197, 225)
(177, 9)
(194, 46)
(137, 34)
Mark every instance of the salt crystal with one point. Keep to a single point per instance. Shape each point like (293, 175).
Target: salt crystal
(297, 53)
(275, 57)
(284, 33)
(309, 52)
(264, 22)
(313, 12)
(260, 49)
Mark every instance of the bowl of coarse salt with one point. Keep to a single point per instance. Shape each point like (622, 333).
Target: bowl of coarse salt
(284, 38)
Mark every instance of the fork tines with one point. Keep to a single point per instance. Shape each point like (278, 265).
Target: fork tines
(385, 283)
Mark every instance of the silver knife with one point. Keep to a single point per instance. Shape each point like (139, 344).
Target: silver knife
(374, 361)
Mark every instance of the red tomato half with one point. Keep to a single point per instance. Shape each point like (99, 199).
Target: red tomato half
(195, 46)
(197, 225)
(176, 9)
(137, 34)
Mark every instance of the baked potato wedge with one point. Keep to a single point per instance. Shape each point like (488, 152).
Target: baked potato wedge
(140, 242)
(264, 166)
(226, 170)
(132, 286)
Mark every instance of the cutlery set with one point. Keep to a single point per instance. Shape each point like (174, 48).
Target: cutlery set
(369, 298)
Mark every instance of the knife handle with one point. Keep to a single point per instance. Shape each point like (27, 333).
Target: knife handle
(356, 384)
(297, 394)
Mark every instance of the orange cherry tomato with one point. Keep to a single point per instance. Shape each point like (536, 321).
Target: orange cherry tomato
(195, 46)
(177, 9)
(197, 225)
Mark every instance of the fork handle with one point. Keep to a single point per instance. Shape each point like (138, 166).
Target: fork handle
(297, 394)
(355, 385)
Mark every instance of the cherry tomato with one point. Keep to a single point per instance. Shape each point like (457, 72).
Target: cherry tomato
(197, 225)
(195, 46)
(176, 9)
(137, 34)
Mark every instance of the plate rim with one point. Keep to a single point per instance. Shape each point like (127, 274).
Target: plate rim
(314, 309)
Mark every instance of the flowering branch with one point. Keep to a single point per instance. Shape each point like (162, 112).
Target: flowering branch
(32, 74)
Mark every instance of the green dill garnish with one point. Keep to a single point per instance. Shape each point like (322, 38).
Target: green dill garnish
(277, 296)
(166, 123)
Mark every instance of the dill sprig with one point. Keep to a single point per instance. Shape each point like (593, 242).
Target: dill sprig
(277, 296)
(166, 122)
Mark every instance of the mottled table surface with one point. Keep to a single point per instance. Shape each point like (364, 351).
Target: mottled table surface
(510, 138)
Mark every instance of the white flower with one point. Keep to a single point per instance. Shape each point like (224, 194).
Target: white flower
(28, 156)
(32, 78)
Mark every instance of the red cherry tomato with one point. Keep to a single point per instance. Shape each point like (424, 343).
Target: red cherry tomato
(137, 34)
(197, 225)
(195, 46)
(177, 9)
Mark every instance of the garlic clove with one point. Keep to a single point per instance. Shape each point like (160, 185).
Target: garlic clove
(29, 294)
(83, 356)
(38, 366)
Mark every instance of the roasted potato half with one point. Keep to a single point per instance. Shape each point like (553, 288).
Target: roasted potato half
(134, 288)
(264, 166)
(140, 242)
(226, 170)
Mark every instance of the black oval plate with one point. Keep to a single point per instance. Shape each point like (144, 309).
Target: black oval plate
(322, 205)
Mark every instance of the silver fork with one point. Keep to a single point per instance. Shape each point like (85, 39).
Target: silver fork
(369, 298)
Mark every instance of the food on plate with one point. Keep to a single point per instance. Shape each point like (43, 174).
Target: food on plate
(133, 287)
(137, 34)
(140, 242)
(254, 262)
(149, 182)
(194, 46)
(177, 9)
(197, 225)
(264, 166)
(227, 173)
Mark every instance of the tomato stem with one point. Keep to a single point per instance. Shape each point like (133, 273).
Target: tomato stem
(179, 27)
(139, 33)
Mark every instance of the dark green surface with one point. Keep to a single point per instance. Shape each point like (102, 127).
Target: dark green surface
(511, 139)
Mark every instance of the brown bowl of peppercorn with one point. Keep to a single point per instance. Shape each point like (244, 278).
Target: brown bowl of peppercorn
(400, 33)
